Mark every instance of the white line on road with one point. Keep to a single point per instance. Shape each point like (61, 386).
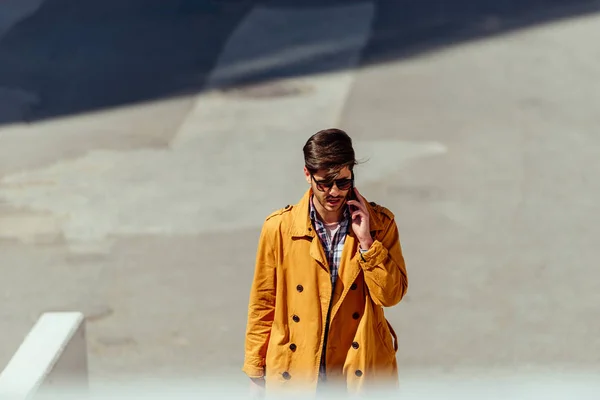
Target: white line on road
(233, 145)
(14, 11)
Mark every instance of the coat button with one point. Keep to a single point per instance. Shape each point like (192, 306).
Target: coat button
(293, 347)
(358, 372)
(355, 345)
(299, 288)
(353, 286)
(356, 315)
(296, 318)
(286, 375)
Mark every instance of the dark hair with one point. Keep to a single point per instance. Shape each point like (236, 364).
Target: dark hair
(330, 150)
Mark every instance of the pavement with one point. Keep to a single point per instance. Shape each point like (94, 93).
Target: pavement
(135, 172)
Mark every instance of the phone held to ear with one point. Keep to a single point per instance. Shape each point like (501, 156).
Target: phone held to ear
(352, 196)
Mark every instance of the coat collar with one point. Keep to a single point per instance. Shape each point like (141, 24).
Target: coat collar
(301, 225)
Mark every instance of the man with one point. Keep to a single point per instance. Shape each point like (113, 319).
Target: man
(325, 268)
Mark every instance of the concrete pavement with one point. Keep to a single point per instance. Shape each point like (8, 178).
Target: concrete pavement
(146, 217)
(498, 230)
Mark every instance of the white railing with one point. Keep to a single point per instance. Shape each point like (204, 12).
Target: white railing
(52, 356)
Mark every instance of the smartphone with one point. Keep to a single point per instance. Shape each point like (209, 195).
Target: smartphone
(352, 196)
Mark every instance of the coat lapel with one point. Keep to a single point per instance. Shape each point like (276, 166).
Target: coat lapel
(348, 272)
(301, 227)
(318, 253)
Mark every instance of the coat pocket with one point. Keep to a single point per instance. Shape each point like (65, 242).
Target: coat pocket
(386, 338)
(387, 335)
(393, 334)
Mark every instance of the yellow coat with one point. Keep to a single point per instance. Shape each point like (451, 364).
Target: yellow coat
(291, 293)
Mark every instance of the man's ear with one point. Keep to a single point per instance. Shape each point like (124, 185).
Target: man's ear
(307, 175)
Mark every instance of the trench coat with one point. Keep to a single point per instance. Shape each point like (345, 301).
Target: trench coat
(290, 298)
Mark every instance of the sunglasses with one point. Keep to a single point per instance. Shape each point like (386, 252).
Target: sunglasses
(341, 184)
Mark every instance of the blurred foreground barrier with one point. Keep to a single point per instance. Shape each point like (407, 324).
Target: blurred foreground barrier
(52, 357)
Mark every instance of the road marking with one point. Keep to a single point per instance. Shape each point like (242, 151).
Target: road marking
(236, 157)
(14, 11)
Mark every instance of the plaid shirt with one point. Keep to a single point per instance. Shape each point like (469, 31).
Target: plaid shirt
(333, 250)
(333, 247)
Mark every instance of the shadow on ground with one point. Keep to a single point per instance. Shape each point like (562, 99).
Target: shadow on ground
(76, 56)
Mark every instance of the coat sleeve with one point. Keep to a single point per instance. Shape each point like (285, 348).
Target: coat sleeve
(384, 268)
(261, 307)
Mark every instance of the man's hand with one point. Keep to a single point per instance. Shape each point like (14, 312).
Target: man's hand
(360, 221)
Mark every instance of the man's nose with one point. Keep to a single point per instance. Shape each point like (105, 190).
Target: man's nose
(334, 190)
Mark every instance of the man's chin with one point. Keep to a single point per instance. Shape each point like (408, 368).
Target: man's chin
(333, 208)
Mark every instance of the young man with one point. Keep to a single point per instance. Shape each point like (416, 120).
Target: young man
(325, 268)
